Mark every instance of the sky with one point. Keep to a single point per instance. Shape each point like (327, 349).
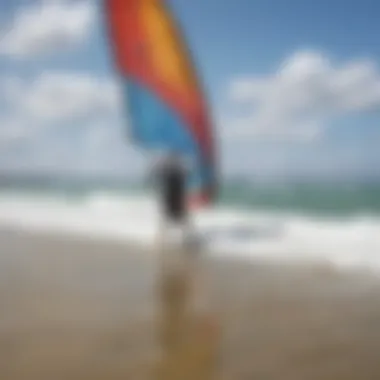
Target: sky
(293, 87)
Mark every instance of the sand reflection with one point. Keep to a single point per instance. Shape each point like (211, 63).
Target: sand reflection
(188, 331)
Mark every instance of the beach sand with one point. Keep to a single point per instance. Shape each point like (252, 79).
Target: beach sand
(73, 309)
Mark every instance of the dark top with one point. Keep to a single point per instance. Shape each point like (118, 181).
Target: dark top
(173, 190)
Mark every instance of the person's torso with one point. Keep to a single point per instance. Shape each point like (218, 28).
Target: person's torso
(173, 180)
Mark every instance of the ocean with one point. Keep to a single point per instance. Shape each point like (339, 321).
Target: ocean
(333, 223)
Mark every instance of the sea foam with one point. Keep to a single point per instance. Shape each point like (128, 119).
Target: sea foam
(346, 243)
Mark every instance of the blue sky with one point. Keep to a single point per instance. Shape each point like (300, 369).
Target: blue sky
(294, 87)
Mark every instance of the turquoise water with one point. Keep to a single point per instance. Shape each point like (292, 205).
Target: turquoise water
(314, 198)
(319, 198)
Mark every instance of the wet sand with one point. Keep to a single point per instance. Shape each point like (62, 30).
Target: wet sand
(72, 309)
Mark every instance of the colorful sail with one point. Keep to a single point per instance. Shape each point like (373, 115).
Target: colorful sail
(166, 106)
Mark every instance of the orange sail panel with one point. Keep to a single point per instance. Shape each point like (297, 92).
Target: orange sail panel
(160, 88)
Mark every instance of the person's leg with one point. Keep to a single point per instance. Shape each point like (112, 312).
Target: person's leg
(171, 244)
(188, 238)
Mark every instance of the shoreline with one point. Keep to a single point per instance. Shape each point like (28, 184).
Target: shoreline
(120, 242)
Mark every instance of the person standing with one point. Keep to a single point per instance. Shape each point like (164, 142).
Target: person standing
(172, 173)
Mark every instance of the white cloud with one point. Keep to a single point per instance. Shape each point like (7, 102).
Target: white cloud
(299, 99)
(10, 130)
(47, 26)
(62, 96)
(39, 114)
(95, 148)
(106, 150)
(66, 122)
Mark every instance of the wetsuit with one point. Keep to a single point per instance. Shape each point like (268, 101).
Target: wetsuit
(173, 182)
